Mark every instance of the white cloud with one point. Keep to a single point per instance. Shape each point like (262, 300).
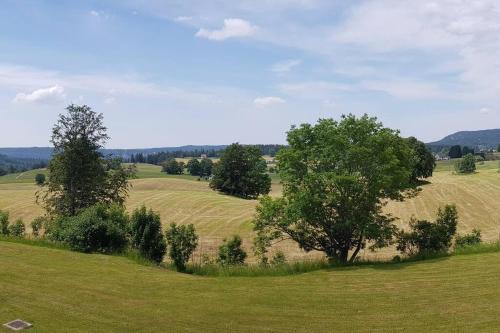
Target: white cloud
(314, 89)
(94, 13)
(183, 18)
(406, 89)
(263, 102)
(485, 110)
(285, 66)
(233, 27)
(44, 95)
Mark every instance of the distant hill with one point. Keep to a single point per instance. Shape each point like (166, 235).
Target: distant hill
(44, 153)
(483, 139)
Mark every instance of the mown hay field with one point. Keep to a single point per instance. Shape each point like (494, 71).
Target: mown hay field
(62, 291)
(184, 199)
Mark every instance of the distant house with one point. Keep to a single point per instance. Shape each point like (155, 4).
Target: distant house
(439, 157)
(203, 156)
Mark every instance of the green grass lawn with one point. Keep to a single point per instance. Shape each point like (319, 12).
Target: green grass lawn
(449, 165)
(62, 291)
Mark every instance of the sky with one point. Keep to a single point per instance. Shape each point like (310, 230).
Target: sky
(179, 72)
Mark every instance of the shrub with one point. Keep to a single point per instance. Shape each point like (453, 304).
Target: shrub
(231, 253)
(172, 167)
(99, 228)
(37, 225)
(428, 237)
(4, 222)
(469, 239)
(278, 259)
(466, 165)
(147, 235)
(182, 241)
(40, 179)
(17, 229)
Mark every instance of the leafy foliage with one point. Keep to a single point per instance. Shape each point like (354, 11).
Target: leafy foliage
(99, 228)
(206, 167)
(455, 151)
(17, 229)
(428, 237)
(37, 225)
(147, 235)
(40, 179)
(4, 222)
(424, 163)
(231, 253)
(241, 171)
(466, 165)
(469, 239)
(336, 177)
(172, 167)
(79, 177)
(193, 167)
(182, 241)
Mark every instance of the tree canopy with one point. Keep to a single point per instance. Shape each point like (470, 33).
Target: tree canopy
(455, 152)
(241, 171)
(336, 177)
(78, 175)
(424, 163)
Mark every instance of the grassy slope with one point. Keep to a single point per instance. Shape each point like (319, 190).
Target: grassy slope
(58, 290)
(185, 200)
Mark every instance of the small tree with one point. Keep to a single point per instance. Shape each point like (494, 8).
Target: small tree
(4, 222)
(424, 161)
(172, 167)
(428, 237)
(182, 241)
(146, 234)
(17, 228)
(455, 152)
(193, 167)
(466, 165)
(40, 179)
(241, 171)
(231, 253)
(466, 150)
(498, 148)
(206, 166)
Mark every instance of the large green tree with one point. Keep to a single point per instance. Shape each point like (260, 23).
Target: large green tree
(336, 177)
(79, 176)
(241, 171)
(424, 160)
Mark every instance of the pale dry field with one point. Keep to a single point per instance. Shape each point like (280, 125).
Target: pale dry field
(217, 216)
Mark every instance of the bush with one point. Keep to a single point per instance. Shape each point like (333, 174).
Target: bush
(37, 225)
(172, 167)
(428, 237)
(231, 253)
(4, 222)
(17, 229)
(466, 165)
(99, 228)
(278, 259)
(147, 235)
(469, 239)
(182, 241)
(40, 179)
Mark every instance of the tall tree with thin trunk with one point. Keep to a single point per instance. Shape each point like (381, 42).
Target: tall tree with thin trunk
(79, 176)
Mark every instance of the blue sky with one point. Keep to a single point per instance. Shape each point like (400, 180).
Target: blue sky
(169, 73)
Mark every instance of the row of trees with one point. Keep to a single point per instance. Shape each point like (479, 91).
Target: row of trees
(336, 177)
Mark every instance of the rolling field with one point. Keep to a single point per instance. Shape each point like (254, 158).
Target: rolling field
(58, 290)
(183, 199)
